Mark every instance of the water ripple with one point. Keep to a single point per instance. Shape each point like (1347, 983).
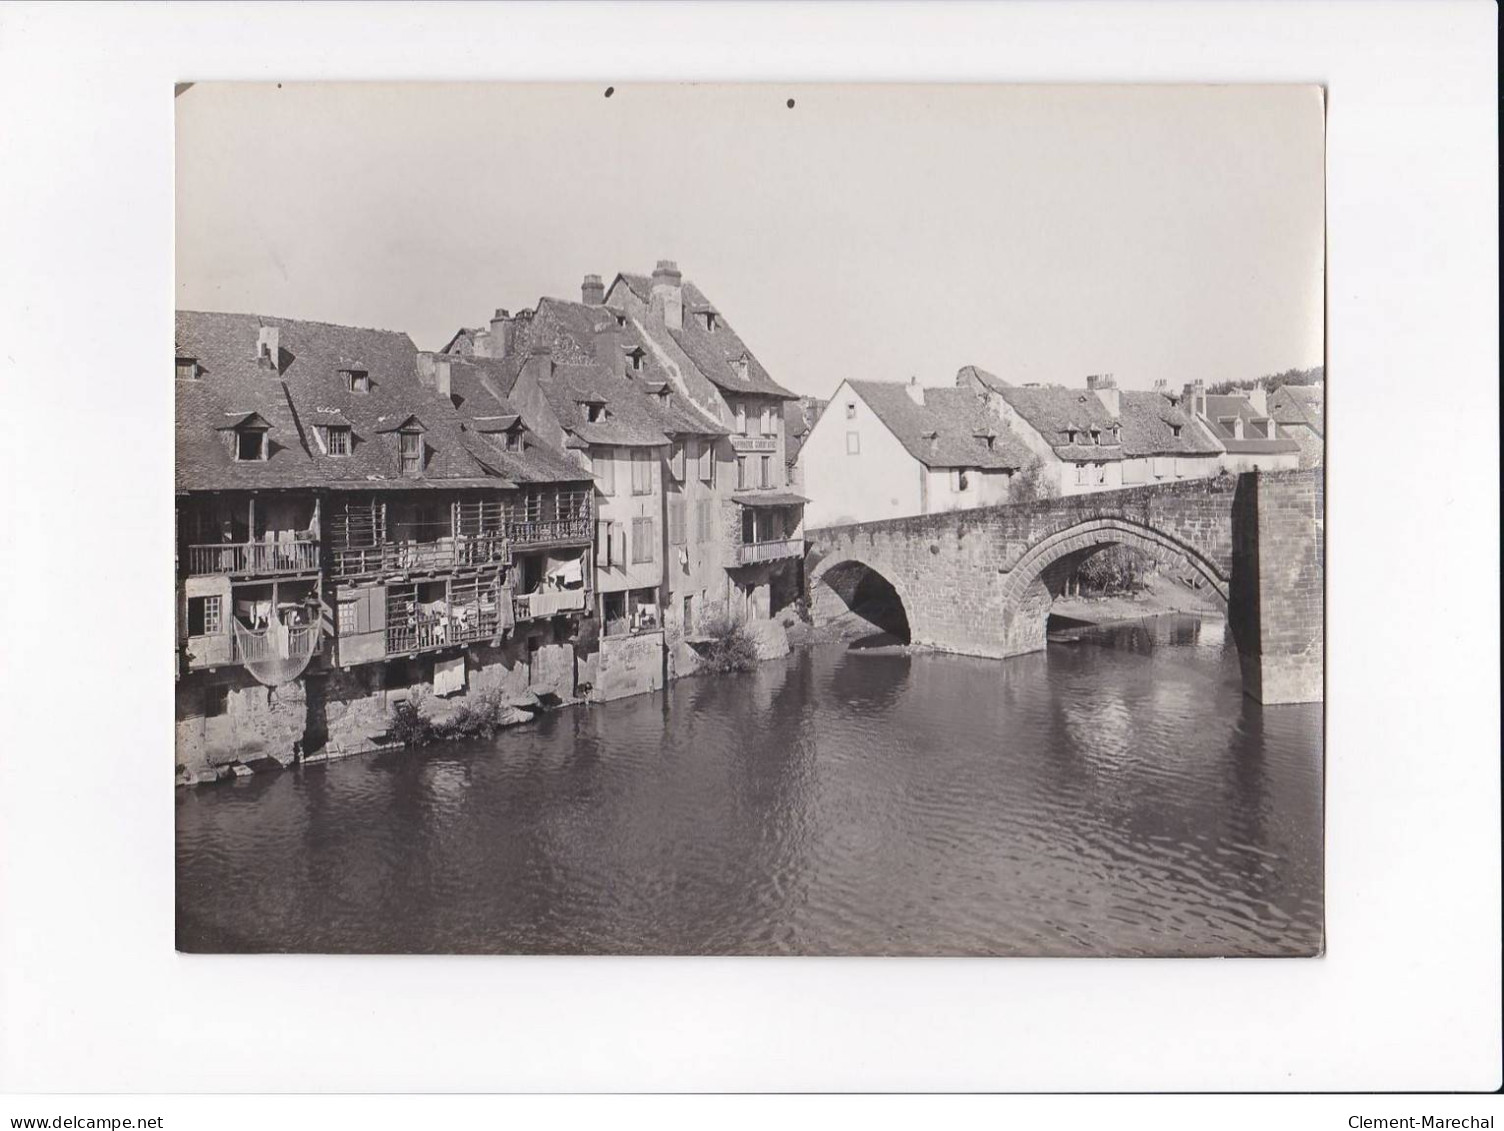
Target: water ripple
(1119, 796)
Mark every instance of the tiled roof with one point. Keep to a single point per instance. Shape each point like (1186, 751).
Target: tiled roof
(476, 386)
(1220, 408)
(1257, 444)
(991, 380)
(715, 353)
(641, 285)
(947, 430)
(1051, 410)
(720, 354)
(1149, 422)
(1299, 404)
(635, 413)
(769, 498)
(307, 388)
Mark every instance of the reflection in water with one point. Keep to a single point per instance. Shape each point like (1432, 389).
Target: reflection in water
(1113, 795)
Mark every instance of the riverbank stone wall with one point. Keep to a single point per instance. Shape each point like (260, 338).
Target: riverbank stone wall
(227, 719)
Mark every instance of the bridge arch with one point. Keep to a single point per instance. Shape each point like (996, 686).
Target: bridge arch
(848, 585)
(1040, 573)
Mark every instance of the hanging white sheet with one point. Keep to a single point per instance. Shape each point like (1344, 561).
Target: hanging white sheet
(449, 676)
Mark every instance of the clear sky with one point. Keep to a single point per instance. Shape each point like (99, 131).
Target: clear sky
(876, 232)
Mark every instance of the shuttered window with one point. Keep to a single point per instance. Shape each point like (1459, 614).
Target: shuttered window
(676, 509)
(707, 462)
(703, 520)
(642, 472)
(676, 463)
(642, 541)
(605, 470)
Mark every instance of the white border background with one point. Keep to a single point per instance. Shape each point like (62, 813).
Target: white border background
(92, 995)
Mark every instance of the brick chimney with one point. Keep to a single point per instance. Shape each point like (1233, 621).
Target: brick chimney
(498, 341)
(441, 379)
(916, 394)
(539, 366)
(1106, 389)
(592, 291)
(1259, 399)
(269, 347)
(1195, 398)
(667, 295)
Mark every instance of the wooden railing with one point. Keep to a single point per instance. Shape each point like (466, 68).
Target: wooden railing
(529, 606)
(749, 552)
(445, 553)
(579, 529)
(437, 630)
(254, 647)
(245, 559)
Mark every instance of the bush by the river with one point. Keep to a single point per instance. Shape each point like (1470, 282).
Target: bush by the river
(730, 647)
(479, 716)
(409, 726)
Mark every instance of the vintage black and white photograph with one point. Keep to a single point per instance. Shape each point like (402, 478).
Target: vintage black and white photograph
(714, 519)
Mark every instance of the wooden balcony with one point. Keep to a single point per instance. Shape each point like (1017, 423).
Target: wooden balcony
(436, 630)
(551, 531)
(749, 552)
(258, 647)
(253, 559)
(548, 603)
(439, 556)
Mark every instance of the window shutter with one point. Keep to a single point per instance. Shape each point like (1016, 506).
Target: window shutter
(676, 520)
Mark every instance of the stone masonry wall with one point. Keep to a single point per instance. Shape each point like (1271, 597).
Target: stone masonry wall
(334, 712)
(952, 569)
(981, 581)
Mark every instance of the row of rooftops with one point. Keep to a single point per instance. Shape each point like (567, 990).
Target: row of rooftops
(590, 369)
(953, 427)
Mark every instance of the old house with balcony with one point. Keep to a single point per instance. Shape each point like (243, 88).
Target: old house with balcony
(885, 449)
(582, 376)
(749, 565)
(346, 537)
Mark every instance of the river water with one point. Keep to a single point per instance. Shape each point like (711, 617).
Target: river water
(1116, 795)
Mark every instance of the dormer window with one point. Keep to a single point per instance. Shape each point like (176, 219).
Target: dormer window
(595, 411)
(187, 369)
(337, 440)
(410, 451)
(357, 380)
(1096, 436)
(1175, 430)
(621, 321)
(990, 441)
(711, 320)
(634, 358)
(250, 445)
(1070, 435)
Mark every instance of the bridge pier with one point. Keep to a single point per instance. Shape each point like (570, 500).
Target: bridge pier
(980, 582)
(1277, 605)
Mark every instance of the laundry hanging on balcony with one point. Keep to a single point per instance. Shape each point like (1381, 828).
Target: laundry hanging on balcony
(278, 654)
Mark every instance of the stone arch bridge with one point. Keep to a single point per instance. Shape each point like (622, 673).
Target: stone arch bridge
(981, 581)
